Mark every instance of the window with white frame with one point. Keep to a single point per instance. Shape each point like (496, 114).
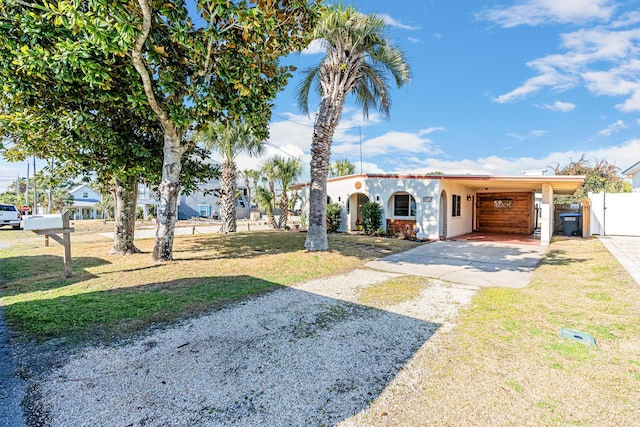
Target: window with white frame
(204, 210)
(85, 195)
(404, 205)
(455, 205)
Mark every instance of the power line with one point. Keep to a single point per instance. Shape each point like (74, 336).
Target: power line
(309, 126)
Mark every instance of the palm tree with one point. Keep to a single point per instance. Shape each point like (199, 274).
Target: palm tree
(357, 61)
(265, 200)
(229, 142)
(270, 176)
(341, 168)
(253, 175)
(287, 170)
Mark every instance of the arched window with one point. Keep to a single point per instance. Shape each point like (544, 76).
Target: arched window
(404, 205)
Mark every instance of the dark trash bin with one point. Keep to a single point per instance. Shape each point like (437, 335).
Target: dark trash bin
(571, 224)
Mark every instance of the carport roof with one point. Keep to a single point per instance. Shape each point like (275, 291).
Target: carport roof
(564, 184)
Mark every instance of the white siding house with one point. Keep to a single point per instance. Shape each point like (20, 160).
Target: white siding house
(84, 202)
(634, 174)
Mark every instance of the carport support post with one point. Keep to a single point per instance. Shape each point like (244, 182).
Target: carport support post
(546, 222)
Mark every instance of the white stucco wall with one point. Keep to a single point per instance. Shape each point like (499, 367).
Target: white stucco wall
(463, 224)
(381, 190)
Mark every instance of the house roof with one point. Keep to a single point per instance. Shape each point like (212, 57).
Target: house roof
(632, 170)
(78, 187)
(564, 184)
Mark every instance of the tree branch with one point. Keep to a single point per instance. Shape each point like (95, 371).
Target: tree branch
(139, 63)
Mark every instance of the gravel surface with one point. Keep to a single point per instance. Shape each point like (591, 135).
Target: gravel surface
(12, 387)
(307, 355)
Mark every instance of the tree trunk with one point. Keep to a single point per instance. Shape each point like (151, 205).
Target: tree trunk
(284, 209)
(125, 196)
(327, 119)
(271, 214)
(228, 197)
(169, 191)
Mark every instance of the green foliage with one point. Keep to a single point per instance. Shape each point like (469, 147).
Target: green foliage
(265, 200)
(600, 176)
(334, 217)
(341, 168)
(371, 216)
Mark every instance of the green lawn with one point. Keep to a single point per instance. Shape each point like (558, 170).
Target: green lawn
(111, 296)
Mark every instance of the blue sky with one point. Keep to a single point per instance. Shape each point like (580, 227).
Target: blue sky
(497, 87)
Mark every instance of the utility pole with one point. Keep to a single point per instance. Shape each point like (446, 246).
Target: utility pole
(35, 191)
(50, 207)
(26, 190)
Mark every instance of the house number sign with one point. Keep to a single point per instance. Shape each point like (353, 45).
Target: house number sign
(502, 204)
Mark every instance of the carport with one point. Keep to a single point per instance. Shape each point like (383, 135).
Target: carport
(508, 205)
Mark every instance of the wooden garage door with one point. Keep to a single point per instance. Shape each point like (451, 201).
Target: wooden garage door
(505, 213)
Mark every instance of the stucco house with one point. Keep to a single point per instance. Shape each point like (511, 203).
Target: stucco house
(445, 206)
(634, 174)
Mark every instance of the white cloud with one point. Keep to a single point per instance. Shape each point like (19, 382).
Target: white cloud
(391, 142)
(622, 155)
(540, 12)
(613, 127)
(560, 106)
(315, 47)
(437, 35)
(395, 23)
(532, 134)
(627, 19)
(414, 40)
(605, 61)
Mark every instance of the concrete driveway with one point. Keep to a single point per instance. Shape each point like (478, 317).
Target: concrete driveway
(492, 264)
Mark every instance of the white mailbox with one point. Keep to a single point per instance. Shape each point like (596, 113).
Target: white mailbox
(42, 222)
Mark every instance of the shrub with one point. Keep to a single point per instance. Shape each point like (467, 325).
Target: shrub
(371, 214)
(334, 217)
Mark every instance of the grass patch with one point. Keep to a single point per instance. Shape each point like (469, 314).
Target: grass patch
(505, 362)
(111, 296)
(393, 291)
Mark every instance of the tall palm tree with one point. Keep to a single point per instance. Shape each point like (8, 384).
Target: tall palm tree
(269, 173)
(358, 60)
(287, 170)
(341, 168)
(229, 142)
(250, 175)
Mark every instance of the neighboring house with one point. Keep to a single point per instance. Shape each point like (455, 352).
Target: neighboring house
(84, 203)
(634, 174)
(204, 202)
(445, 206)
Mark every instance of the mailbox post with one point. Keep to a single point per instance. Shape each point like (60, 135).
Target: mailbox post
(54, 226)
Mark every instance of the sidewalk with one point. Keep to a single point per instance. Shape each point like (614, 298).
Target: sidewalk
(626, 249)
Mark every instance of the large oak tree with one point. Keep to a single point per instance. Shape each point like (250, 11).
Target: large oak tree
(196, 62)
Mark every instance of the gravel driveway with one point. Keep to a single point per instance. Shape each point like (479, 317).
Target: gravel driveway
(307, 355)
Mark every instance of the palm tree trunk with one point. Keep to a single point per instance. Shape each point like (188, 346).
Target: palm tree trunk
(169, 190)
(327, 119)
(284, 209)
(228, 197)
(125, 196)
(271, 214)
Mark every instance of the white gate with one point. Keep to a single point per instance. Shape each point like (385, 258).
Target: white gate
(616, 214)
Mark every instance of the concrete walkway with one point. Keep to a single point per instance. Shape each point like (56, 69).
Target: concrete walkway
(492, 264)
(626, 249)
